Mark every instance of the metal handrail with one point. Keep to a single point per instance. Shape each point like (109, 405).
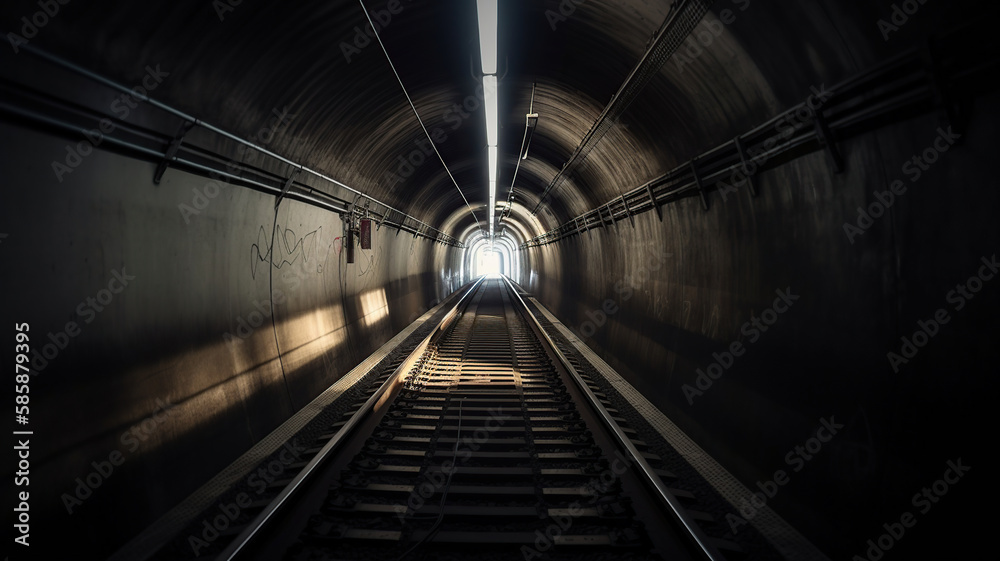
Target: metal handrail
(35, 51)
(724, 152)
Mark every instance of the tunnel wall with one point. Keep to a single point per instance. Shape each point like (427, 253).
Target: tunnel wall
(708, 272)
(176, 341)
(664, 301)
(660, 301)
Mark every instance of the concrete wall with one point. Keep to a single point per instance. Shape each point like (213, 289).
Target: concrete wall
(132, 307)
(161, 337)
(659, 301)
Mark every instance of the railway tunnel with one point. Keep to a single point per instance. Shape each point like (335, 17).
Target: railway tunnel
(744, 248)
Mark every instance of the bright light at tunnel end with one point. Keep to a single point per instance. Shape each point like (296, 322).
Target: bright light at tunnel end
(491, 265)
(480, 252)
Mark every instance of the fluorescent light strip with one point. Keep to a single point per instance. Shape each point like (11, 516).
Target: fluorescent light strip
(490, 93)
(493, 204)
(487, 14)
(487, 10)
(493, 168)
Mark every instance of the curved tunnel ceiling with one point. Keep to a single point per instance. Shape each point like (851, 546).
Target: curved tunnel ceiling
(352, 121)
(235, 62)
(238, 64)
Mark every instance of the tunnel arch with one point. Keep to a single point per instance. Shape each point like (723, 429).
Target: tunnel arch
(503, 245)
(671, 278)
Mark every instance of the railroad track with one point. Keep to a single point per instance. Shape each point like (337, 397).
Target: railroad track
(484, 442)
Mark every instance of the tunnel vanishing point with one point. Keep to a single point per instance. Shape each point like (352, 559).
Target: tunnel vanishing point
(516, 279)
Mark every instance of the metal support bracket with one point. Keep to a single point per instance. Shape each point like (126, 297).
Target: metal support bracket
(628, 211)
(171, 152)
(746, 168)
(697, 181)
(826, 140)
(287, 186)
(652, 201)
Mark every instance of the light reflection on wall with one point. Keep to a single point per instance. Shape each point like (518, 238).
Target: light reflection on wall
(374, 307)
(212, 375)
(242, 366)
(310, 334)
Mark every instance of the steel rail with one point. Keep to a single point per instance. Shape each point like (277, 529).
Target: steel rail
(146, 151)
(304, 194)
(900, 79)
(674, 507)
(753, 138)
(253, 529)
(73, 67)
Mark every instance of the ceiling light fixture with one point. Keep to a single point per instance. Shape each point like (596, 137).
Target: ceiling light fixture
(487, 10)
(493, 206)
(493, 164)
(531, 120)
(487, 13)
(490, 94)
